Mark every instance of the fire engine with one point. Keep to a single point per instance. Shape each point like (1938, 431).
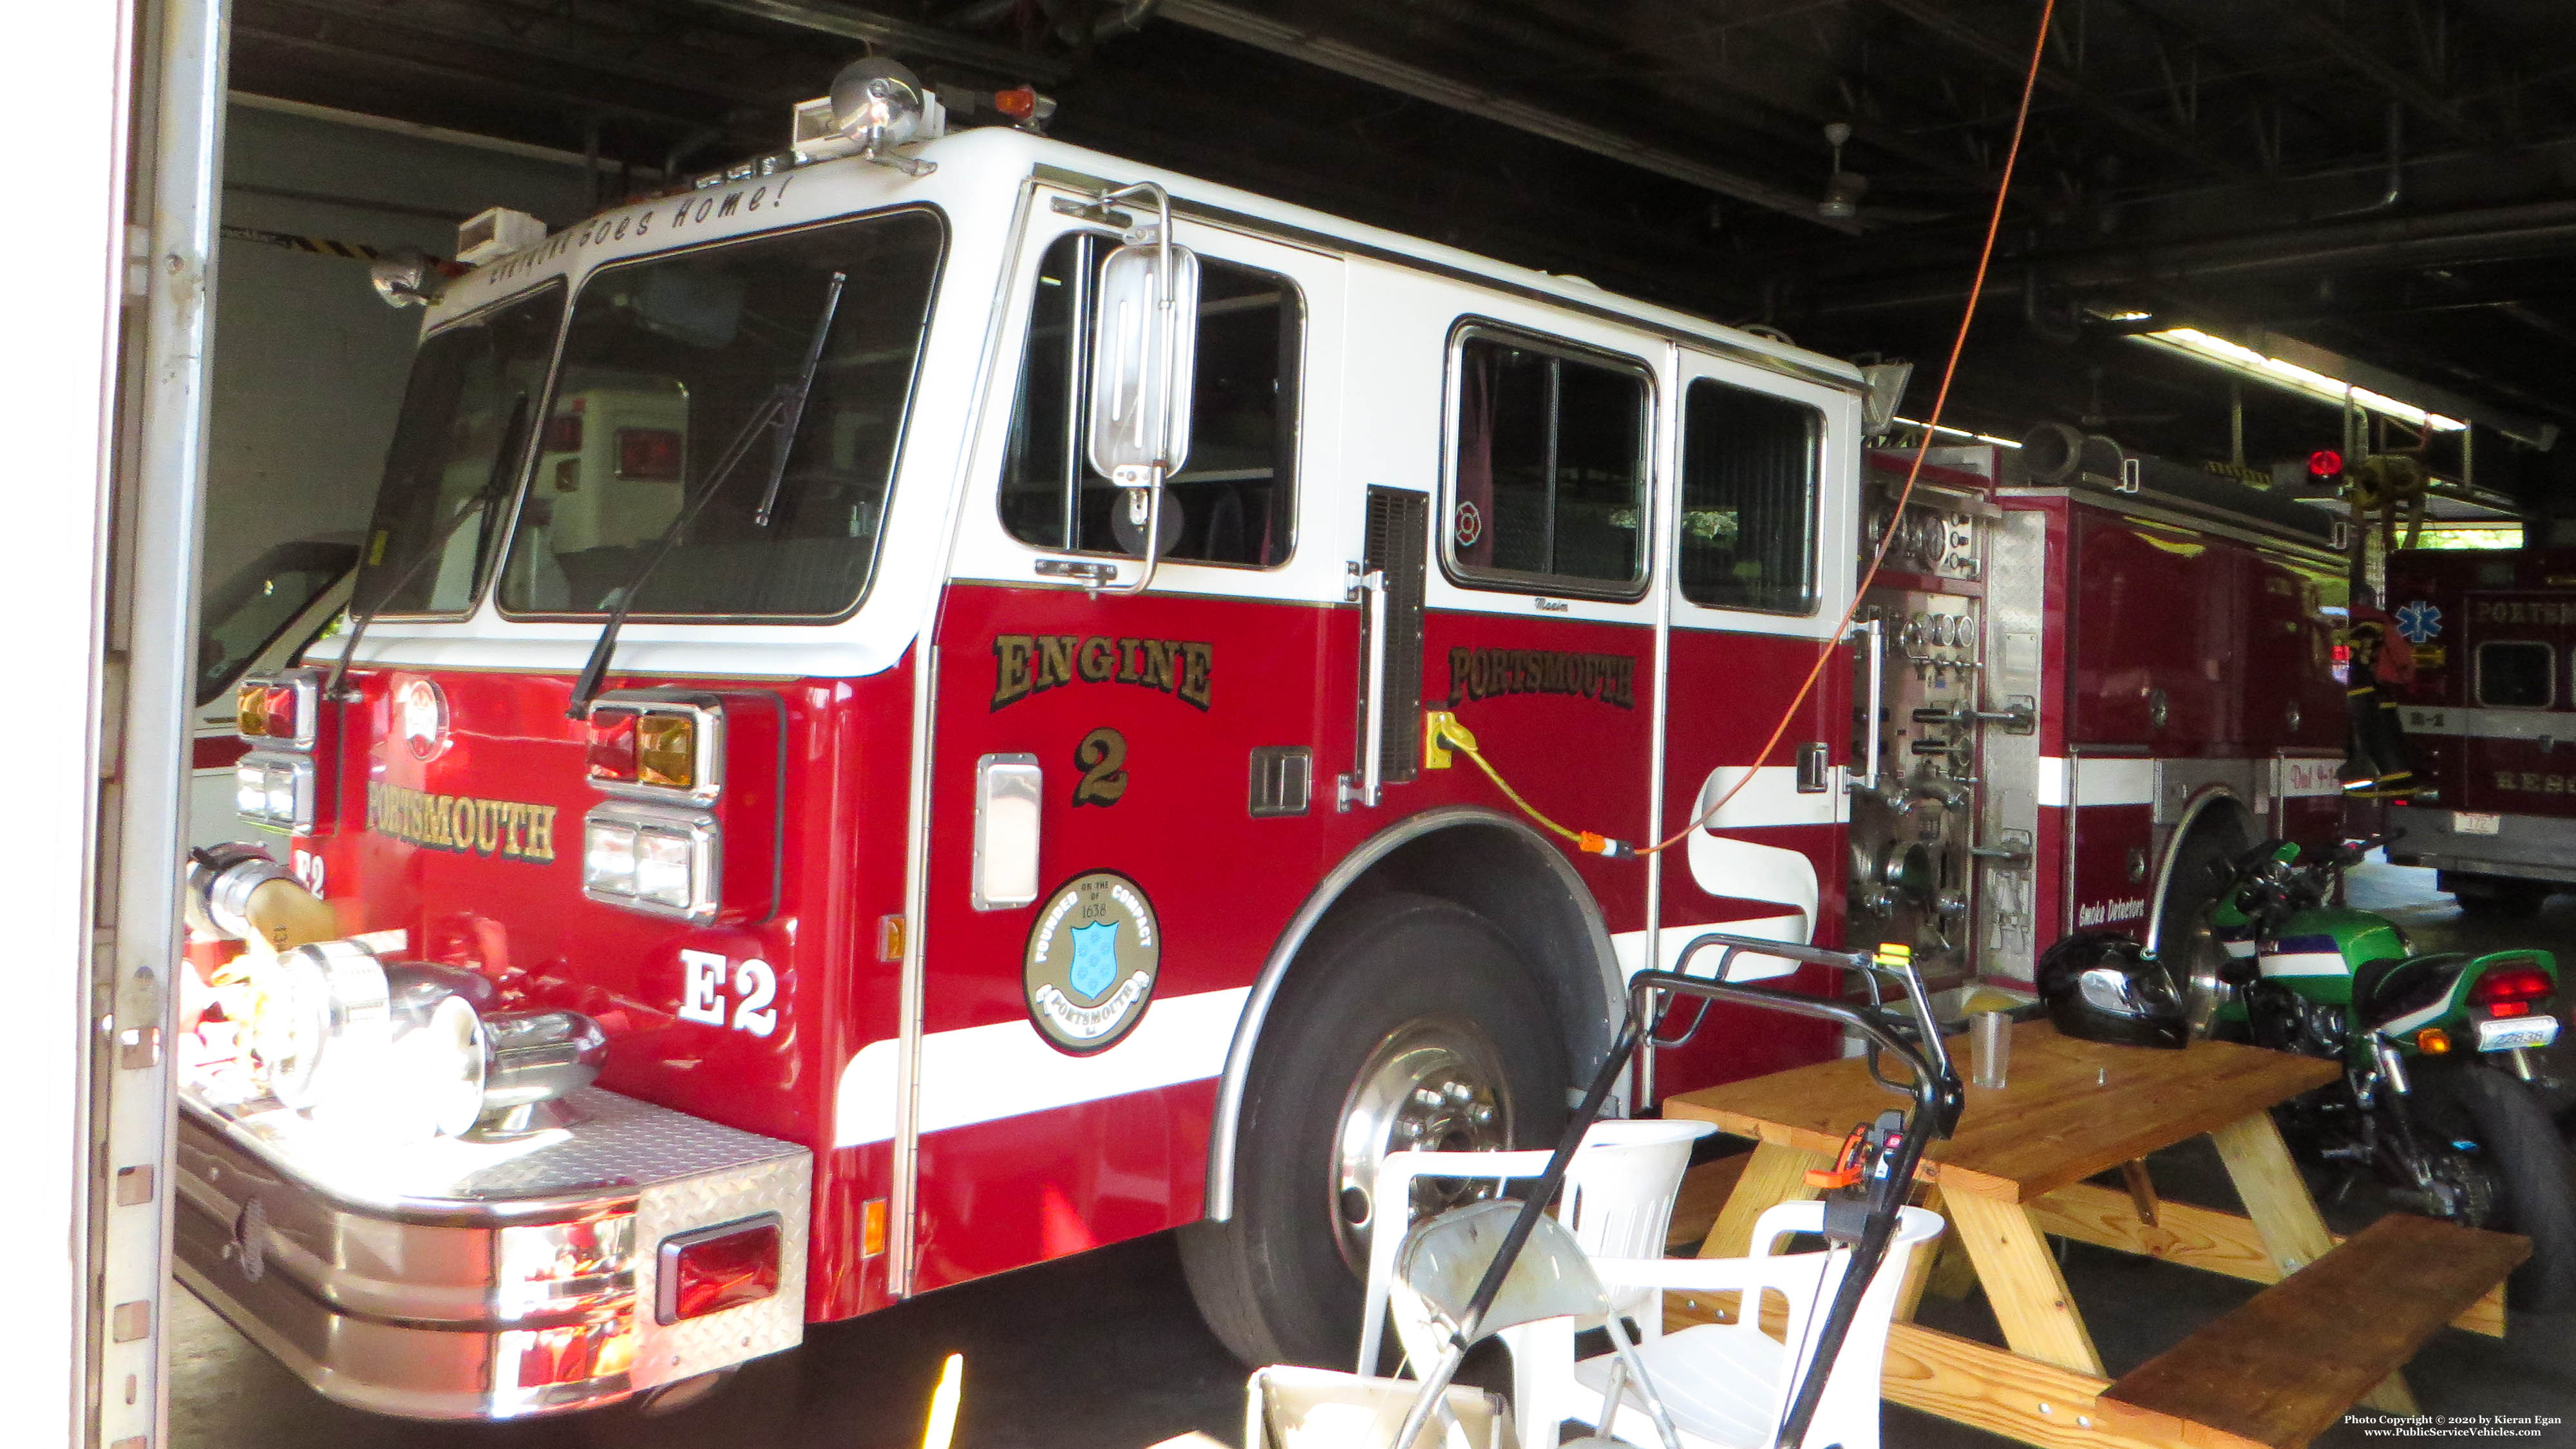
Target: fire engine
(2483, 720)
(976, 782)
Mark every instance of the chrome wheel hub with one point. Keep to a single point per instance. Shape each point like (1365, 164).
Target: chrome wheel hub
(1435, 1085)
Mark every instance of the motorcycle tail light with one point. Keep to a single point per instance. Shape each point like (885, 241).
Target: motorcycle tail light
(714, 1269)
(612, 745)
(2512, 990)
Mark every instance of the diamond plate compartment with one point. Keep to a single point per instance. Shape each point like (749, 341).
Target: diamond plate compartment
(668, 1352)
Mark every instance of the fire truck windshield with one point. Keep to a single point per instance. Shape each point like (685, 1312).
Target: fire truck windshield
(469, 382)
(671, 361)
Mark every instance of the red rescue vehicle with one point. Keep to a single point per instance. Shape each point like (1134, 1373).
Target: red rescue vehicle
(957, 776)
(2490, 703)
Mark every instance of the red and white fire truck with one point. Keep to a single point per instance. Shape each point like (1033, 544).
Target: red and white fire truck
(960, 783)
(2484, 718)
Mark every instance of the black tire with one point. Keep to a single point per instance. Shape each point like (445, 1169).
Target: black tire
(2535, 1180)
(2203, 863)
(1275, 1281)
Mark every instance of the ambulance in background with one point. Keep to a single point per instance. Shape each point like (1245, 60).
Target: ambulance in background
(2494, 701)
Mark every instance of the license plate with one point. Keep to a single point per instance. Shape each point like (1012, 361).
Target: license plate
(2504, 1036)
(2470, 822)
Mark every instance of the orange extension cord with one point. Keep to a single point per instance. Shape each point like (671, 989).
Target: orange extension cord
(1597, 844)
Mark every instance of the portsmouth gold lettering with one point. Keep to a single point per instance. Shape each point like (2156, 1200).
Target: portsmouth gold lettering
(1130, 661)
(1479, 673)
(510, 829)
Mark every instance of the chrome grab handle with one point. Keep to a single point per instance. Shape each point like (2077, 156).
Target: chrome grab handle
(1373, 731)
(1877, 631)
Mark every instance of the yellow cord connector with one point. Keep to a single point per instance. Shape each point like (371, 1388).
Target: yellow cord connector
(1442, 733)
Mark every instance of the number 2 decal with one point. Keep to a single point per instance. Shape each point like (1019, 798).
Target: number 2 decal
(702, 988)
(1102, 758)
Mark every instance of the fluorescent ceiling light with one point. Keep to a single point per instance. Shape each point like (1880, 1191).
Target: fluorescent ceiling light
(1950, 432)
(2236, 357)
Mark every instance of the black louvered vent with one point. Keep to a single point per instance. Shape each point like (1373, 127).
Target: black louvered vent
(1399, 543)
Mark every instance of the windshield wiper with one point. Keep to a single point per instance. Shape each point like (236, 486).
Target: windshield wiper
(511, 437)
(785, 408)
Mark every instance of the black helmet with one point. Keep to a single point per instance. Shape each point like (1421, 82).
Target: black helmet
(2101, 986)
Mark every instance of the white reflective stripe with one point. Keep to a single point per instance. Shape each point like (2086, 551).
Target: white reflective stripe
(2052, 780)
(1631, 948)
(1773, 798)
(2488, 724)
(2109, 780)
(1005, 1069)
(1724, 866)
(2303, 963)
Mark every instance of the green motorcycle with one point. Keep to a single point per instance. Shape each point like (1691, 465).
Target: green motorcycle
(2443, 1095)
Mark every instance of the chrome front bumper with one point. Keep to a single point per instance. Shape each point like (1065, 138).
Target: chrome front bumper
(462, 1280)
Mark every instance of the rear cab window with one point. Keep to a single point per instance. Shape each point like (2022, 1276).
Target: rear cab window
(1748, 505)
(1547, 466)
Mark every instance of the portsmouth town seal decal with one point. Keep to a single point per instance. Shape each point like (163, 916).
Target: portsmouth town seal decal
(1091, 962)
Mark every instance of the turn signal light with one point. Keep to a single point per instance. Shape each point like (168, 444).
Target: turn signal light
(286, 709)
(666, 750)
(714, 1269)
(2432, 1041)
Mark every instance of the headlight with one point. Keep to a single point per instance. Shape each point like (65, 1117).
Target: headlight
(652, 858)
(662, 874)
(608, 858)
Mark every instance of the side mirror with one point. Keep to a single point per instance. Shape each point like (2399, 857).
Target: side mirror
(1144, 355)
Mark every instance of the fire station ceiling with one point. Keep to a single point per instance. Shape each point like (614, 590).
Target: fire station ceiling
(2389, 182)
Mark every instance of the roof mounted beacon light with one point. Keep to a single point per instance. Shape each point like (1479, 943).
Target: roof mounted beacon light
(496, 232)
(406, 278)
(874, 106)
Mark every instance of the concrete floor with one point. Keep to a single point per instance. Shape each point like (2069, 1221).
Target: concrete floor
(1105, 1351)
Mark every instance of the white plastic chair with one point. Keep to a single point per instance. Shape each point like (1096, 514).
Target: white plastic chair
(1727, 1385)
(1617, 1203)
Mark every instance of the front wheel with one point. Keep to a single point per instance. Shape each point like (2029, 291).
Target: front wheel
(2535, 1181)
(1409, 1023)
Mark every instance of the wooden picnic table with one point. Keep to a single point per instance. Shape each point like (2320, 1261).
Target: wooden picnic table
(2016, 1172)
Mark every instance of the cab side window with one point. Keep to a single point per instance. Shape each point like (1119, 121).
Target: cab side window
(1749, 500)
(1548, 476)
(2516, 675)
(1234, 501)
